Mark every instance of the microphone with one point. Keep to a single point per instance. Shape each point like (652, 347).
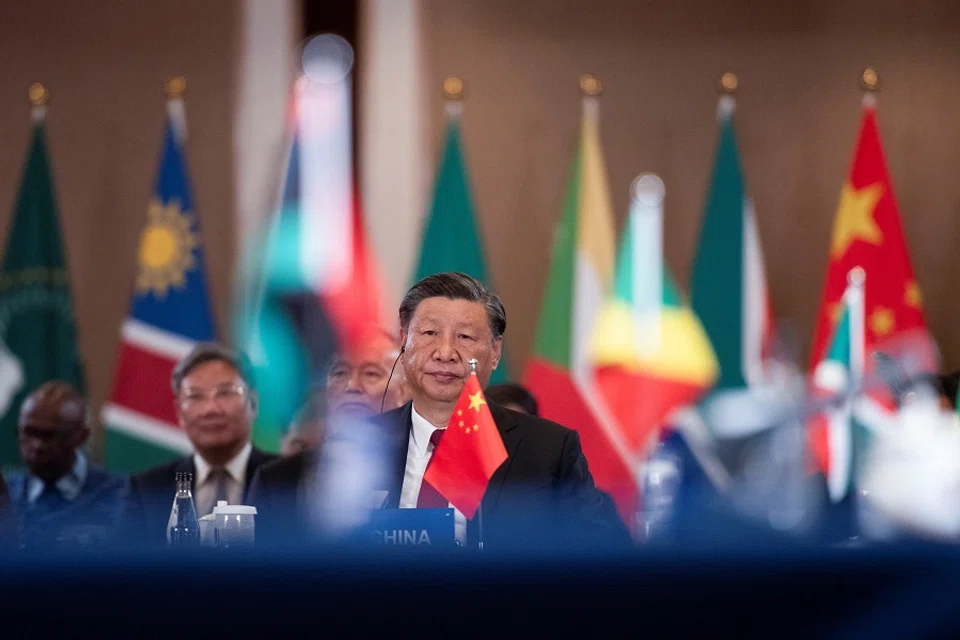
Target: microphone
(383, 398)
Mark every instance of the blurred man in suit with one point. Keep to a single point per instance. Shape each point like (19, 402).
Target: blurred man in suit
(306, 429)
(356, 387)
(216, 405)
(62, 499)
(513, 396)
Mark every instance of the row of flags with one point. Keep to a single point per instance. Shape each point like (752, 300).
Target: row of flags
(652, 355)
(593, 366)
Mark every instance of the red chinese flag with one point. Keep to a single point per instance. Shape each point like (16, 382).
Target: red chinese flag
(469, 453)
(867, 233)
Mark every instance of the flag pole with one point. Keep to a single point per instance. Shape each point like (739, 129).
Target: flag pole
(646, 231)
(727, 86)
(453, 94)
(39, 98)
(175, 88)
(473, 372)
(870, 84)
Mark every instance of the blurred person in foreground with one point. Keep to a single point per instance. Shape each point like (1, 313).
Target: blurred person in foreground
(543, 495)
(7, 527)
(61, 500)
(306, 428)
(513, 396)
(215, 406)
(355, 388)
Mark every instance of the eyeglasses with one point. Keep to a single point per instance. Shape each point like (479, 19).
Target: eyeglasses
(226, 395)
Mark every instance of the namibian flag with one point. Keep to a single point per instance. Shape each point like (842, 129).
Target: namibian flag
(169, 314)
(649, 351)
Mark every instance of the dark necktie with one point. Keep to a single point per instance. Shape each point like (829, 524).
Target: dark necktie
(429, 497)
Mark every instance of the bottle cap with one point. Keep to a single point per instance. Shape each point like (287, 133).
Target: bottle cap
(234, 510)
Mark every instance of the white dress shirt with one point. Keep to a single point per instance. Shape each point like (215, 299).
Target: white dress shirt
(69, 484)
(419, 452)
(207, 487)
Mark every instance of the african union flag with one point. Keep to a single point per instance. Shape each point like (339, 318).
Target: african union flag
(170, 312)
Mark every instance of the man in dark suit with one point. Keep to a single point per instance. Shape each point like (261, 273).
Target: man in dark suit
(62, 500)
(543, 495)
(356, 388)
(216, 405)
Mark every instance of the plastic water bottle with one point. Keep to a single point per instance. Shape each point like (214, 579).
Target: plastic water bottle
(185, 533)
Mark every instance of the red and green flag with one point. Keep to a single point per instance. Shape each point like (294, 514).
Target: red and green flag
(867, 233)
(559, 373)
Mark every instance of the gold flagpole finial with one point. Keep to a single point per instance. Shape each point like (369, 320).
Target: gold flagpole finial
(453, 88)
(590, 85)
(39, 95)
(175, 87)
(728, 84)
(869, 79)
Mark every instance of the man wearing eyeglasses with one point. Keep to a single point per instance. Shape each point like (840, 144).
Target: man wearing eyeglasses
(61, 500)
(215, 405)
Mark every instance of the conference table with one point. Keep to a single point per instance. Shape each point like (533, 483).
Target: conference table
(906, 590)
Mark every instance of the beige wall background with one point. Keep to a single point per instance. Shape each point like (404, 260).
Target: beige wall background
(105, 62)
(798, 117)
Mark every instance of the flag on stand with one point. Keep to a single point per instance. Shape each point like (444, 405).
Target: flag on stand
(728, 290)
(559, 373)
(301, 309)
(841, 371)
(38, 335)
(649, 351)
(169, 313)
(451, 240)
(469, 453)
(867, 233)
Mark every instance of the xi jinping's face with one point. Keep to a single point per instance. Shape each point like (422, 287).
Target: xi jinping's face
(441, 339)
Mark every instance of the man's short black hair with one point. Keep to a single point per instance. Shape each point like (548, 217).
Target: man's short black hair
(455, 286)
(513, 393)
(208, 352)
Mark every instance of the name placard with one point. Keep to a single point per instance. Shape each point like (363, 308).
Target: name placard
(412, 527)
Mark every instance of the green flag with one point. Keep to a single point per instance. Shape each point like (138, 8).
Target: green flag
(451, 240)
(37, 329)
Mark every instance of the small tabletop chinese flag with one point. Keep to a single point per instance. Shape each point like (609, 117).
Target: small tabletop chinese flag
(469, 453)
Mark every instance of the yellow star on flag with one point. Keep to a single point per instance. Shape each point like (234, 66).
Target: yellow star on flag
(461, 423)
(912, 295)
(476, 401)
(855, 218)
(459, 412)
(882, 321)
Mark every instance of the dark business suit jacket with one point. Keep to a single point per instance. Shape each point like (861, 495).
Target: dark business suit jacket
(93, 518)
(151, 497)
(543, 495)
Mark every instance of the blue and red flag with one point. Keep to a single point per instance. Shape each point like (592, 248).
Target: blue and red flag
(169, 313)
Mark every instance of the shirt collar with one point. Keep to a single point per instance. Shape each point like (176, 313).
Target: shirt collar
(421, 432)
(69, 484)
(237, 467)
